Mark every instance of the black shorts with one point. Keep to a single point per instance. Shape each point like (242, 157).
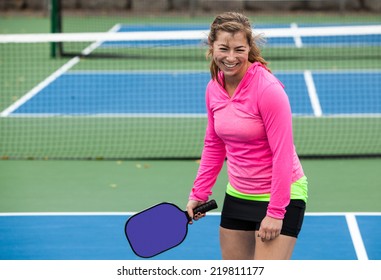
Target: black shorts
(241, 214)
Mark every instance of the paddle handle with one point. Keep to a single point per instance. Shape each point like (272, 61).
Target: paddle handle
(203, 208)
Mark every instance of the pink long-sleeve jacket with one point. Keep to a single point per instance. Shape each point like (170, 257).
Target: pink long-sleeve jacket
(253, 130)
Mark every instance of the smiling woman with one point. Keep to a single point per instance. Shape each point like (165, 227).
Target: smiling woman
(250, 124)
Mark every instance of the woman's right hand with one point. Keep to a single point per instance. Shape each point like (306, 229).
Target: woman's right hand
(192, 204)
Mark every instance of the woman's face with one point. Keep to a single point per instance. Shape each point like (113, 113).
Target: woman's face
(231, 54)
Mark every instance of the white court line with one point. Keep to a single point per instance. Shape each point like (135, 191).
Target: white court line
(96, 44)
(297, 38)
(356, 237)
(315, 103)
(343, 213)
(188, 34)
(5, 214)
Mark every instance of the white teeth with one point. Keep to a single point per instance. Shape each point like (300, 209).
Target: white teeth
(229, 65)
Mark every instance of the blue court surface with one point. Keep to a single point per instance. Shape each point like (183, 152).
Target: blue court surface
(310, 93)
(324, 236)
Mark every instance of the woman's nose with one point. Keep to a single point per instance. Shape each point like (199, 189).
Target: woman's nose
(230, 56)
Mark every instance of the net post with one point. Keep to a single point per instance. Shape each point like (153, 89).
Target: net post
(53, 26)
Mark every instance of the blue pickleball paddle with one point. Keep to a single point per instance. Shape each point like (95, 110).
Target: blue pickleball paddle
(160, 228)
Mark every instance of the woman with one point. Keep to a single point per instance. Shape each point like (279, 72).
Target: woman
(250, 124)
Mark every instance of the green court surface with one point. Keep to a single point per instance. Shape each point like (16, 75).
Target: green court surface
(340, 185)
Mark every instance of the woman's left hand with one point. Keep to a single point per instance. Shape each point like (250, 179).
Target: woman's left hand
(270, 228)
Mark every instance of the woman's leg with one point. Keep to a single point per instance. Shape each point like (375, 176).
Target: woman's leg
(280, 248)
(237, 244)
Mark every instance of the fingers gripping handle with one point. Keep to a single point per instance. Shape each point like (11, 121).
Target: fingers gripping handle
(203, 208)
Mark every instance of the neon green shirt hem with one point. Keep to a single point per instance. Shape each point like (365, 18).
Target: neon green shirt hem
(299, 190)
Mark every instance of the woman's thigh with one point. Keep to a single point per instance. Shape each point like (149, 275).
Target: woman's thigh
(237, 244)
(280, 248)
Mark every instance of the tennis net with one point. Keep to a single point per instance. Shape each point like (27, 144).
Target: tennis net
(140, 94)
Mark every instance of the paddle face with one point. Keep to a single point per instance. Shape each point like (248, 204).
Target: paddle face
(159, 228)
(156, 229)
